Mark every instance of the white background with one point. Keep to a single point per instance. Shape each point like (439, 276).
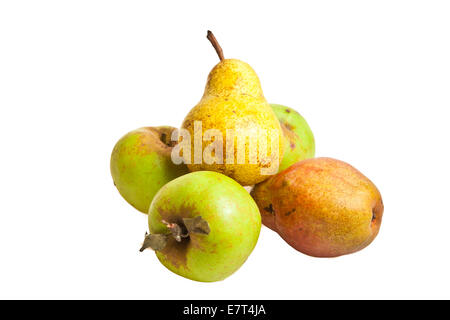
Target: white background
(372, 78)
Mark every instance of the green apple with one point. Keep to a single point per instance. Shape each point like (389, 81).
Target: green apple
(203, 226)
(298, 138)
(141, 164)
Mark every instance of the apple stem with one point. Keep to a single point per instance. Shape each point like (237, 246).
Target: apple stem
(158, 241)
(210, 36)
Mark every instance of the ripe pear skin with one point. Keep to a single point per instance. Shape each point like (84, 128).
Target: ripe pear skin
(233, 99)
(141, 164)
(299, 143)
(232, 215)
(322, 207)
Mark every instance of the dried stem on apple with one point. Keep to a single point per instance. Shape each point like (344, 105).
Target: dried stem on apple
(196, 225)
(215, 44)
(154, 241)
(176, 230)
(189, 226)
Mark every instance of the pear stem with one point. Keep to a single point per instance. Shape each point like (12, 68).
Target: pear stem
(210, 36)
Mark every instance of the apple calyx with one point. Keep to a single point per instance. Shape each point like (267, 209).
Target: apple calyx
(158, 241)
(177, 231)
(154, 241)
(210, 36)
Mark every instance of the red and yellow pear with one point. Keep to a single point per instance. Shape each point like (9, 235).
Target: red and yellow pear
(322, 207)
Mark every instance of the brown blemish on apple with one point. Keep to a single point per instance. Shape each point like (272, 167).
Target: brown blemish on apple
(142, 147)
(288, 111)
(185, 211)
(176, 251)
(196, 245)
(214, 248)
(288, 126)
(289, 133)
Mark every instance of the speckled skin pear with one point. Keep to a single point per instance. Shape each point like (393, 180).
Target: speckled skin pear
(231, 213)
(141, 165)
(233, 99)
(299, 141)
(322, 207)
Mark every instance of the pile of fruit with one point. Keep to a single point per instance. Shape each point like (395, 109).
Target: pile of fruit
(203, 223)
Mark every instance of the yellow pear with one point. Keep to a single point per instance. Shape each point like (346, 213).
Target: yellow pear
(232, 130)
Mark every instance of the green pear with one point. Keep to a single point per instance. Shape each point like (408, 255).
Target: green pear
(141, 164)
(298, 138)
(203, 226)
